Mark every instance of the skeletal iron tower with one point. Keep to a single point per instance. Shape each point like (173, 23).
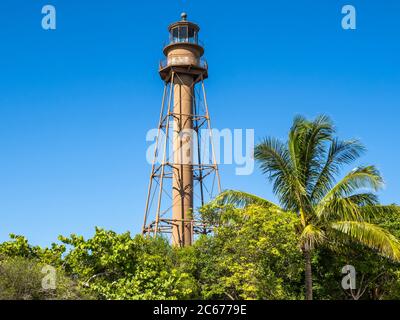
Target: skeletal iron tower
(184, 173)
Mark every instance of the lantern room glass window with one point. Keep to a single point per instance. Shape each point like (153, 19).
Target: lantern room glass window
(192, 36)
(175, 35)
(184, 34)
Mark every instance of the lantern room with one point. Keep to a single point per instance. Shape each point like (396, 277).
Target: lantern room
(184, 31)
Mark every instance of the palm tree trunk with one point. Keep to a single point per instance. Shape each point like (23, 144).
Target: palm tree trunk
(308, 274)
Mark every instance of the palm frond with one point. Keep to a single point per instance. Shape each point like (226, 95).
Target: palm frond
(274, 159)
(314, 148)
(307, 145)
(296, 141)
(340, 153)
(359, 178)
(347, 208)
(371, 236)
(242, 199)
(379, 211)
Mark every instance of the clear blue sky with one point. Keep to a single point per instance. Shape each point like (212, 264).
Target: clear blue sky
(72, 126)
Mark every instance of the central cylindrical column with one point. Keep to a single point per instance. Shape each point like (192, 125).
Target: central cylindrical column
(182, 206)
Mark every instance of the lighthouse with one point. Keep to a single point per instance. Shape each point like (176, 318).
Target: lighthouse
(177, 186)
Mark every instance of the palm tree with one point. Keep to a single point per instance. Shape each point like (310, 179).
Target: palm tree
(302, 172)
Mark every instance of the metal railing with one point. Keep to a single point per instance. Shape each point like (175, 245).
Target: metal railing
(202, 63)
(170, 42)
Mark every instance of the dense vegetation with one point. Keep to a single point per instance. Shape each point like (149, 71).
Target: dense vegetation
(259, 250)
(253, 255)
